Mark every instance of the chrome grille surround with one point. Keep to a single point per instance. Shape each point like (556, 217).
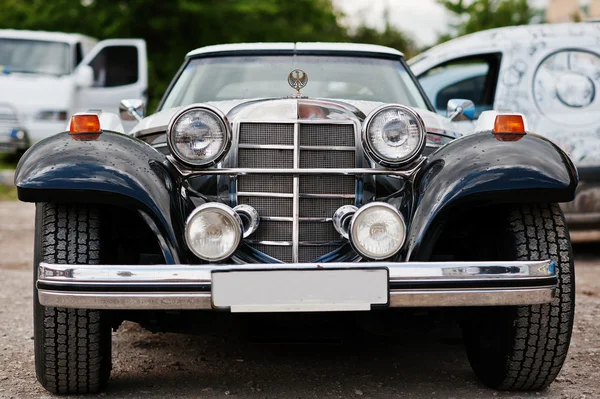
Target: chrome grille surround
(297, 202)
(299, 215)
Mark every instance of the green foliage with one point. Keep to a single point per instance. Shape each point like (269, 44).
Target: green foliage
(390, 37)
(172, 28)
(476, 15)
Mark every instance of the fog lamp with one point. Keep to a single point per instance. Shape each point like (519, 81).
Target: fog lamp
(213, 231)
(377, 231)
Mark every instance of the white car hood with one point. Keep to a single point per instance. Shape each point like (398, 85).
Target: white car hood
(434, 123)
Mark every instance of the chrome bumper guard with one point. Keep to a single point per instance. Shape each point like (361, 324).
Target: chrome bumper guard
(410, 284)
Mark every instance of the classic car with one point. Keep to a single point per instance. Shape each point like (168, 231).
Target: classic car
(298, 177)
(549, 73)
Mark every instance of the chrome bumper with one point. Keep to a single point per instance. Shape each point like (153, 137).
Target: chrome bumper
(411, 284)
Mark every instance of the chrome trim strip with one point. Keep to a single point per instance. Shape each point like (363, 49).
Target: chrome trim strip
(296, 204)
(491, 297)
(272, 243)
(316, 220)
(327, 148)
(300, 243)
(291, 219)
(266, 146)
(57, 283)
(405, 173)
(327, 196)
(264, 194)
(159, 145)
(277, 218)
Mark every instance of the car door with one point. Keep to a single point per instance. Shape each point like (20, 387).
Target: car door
(473, 77)
(119, 71)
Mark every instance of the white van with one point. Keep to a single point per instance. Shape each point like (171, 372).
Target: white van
(550, 73)
(45, 77)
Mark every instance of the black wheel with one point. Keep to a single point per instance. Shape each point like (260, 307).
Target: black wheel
(524, 348)
(72, 346)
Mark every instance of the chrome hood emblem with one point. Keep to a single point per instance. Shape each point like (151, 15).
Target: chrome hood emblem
(297, 79)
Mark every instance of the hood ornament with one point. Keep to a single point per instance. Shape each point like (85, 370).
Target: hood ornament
(297, 79)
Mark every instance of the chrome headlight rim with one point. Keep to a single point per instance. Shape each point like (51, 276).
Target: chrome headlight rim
(374, 155)
(227, 139)
(228, 212)
(355, 217)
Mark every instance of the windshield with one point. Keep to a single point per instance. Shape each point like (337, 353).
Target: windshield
(34, 56)
(246, 77)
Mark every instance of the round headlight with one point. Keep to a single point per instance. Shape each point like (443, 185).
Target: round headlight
(393, 135)
(199, 136)
(377, 231)
(213, 231)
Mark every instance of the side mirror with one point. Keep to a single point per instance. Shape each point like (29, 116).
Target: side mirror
(131, 110)
(460, 109)
(84, 76)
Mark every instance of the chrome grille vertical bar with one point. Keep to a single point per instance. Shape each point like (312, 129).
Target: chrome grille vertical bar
(296, 202)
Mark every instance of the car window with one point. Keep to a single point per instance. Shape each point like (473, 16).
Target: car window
(338, 77)
(115, 66)
(472, 78)
(35, 56)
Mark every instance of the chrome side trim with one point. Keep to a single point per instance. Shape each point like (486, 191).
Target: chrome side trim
(413, 284)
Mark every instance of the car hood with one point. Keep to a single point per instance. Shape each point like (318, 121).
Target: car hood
(30, 93)
(159, 121)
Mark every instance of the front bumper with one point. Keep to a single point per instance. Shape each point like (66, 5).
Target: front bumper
(410, 284)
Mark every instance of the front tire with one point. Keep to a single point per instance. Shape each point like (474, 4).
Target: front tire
(72, 346)
(524, 348)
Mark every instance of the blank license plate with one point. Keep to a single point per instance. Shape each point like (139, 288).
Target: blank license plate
(314, 290)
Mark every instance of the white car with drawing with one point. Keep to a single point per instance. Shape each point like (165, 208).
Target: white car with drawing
(45, 77)
(549, 73)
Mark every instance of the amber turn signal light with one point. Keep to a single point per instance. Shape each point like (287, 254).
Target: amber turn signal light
(85, 127)
(509, 127)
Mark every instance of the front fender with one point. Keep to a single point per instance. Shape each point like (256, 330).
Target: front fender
(479, 169)
(115, 169)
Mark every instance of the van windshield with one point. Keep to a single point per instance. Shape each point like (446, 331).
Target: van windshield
(34, 56)
(336, 77)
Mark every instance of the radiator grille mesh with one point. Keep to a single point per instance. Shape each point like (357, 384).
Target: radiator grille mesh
(311, 233)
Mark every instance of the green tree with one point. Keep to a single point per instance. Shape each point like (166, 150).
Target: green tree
(390, 37)
(476, 15)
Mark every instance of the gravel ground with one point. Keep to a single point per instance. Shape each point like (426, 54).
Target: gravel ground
(423, 357)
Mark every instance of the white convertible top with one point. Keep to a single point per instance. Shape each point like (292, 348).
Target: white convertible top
(44, 35)
(315, 47)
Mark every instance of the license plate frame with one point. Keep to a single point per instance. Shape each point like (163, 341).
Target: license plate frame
(300, 290)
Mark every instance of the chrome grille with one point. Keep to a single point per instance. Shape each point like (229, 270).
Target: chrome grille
(273, 231)
(310, 234)
(269, 206)
(265, 159)
(322, 207)
(324, 135)
(326, 159)
(267, 133)
(266, 183)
